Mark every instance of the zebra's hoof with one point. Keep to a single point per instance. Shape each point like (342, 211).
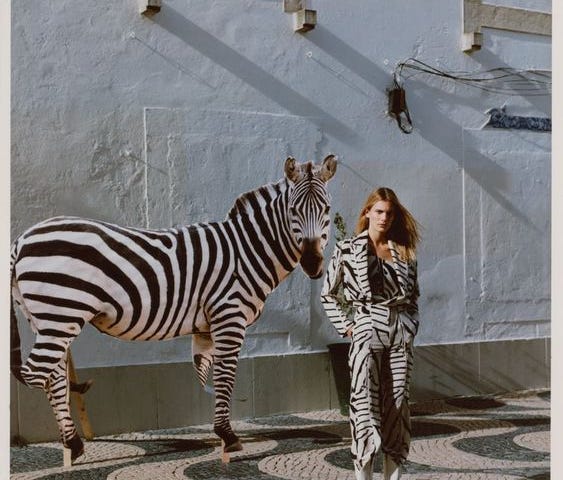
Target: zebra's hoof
(76, 447)
(233, 447)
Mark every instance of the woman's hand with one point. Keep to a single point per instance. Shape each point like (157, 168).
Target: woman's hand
(349, 332)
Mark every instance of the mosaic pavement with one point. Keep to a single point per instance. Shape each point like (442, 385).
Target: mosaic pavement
(492, 438)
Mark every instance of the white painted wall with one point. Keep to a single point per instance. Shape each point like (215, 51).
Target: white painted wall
(166, 120)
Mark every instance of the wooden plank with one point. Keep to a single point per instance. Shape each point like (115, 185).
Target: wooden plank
(225, 457)
(78, 401)
(67, 457)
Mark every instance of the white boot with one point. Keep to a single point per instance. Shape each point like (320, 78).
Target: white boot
(391, 471)
(365, 473)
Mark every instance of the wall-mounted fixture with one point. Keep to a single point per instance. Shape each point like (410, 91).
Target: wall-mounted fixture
(397, 108)
(477, 14)
(149, 7)
(471, 41)
(291, 6)
(304, 19)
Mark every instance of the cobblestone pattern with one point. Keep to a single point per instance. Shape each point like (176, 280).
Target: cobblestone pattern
(459, 439)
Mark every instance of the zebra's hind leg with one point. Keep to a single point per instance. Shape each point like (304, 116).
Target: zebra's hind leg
(58, 393)
(46, 368)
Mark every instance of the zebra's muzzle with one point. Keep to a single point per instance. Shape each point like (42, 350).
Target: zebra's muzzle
(312, 257)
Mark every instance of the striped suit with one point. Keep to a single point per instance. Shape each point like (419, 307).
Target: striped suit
(381, 350)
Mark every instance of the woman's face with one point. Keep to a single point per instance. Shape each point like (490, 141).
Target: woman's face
(381, 216)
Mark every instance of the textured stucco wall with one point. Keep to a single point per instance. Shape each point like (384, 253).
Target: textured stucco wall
(166, 120)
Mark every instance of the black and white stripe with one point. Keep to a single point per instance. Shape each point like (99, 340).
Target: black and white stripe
(207, 280)
(384, 325)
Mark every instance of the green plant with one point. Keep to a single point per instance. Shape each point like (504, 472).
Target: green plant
(340, 225)
(341, 234)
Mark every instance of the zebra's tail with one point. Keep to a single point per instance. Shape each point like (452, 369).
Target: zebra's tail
(15, 344)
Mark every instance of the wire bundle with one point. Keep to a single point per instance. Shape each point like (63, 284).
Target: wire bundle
(503, 80)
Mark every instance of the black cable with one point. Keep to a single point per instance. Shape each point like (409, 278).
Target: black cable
(467, 76)
(504, 80)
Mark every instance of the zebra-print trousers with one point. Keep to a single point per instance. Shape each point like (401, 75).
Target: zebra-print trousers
(381, 364)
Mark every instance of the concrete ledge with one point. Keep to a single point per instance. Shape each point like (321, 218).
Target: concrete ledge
(133, 398)
(468, 369)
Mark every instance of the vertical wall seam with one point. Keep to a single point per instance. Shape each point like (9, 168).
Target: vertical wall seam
(253, 383)
(146, 161)
(18, 410)
(479, 361)
(171, 178)
(464, 213)
(157, 399)
(548, 356)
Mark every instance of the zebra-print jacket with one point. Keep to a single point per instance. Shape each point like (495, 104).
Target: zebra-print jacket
(348, 268)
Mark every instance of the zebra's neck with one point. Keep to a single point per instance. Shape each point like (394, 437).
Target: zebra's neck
(260, 218)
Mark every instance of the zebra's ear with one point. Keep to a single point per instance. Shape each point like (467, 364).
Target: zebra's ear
(291, 170)
(328, 168)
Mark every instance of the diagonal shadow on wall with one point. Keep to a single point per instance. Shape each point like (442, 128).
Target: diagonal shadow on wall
(430, 123)
(264, 82)
(488, 59)
(350, 58)
(435, 126)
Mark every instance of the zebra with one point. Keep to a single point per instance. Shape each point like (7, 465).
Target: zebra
(207, 280)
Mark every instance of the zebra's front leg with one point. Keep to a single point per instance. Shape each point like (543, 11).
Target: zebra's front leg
(227, 349)
(58, 393)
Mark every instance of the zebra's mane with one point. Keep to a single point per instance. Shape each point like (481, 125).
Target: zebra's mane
(243, 202)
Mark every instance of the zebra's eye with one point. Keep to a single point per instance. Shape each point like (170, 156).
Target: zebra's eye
(293, 210)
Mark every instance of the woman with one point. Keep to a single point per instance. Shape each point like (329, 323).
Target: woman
(377, 270)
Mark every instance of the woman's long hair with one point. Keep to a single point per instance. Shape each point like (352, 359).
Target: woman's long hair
(404, 230)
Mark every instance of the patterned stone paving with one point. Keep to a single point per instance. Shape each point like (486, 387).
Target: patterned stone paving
(487, 438)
